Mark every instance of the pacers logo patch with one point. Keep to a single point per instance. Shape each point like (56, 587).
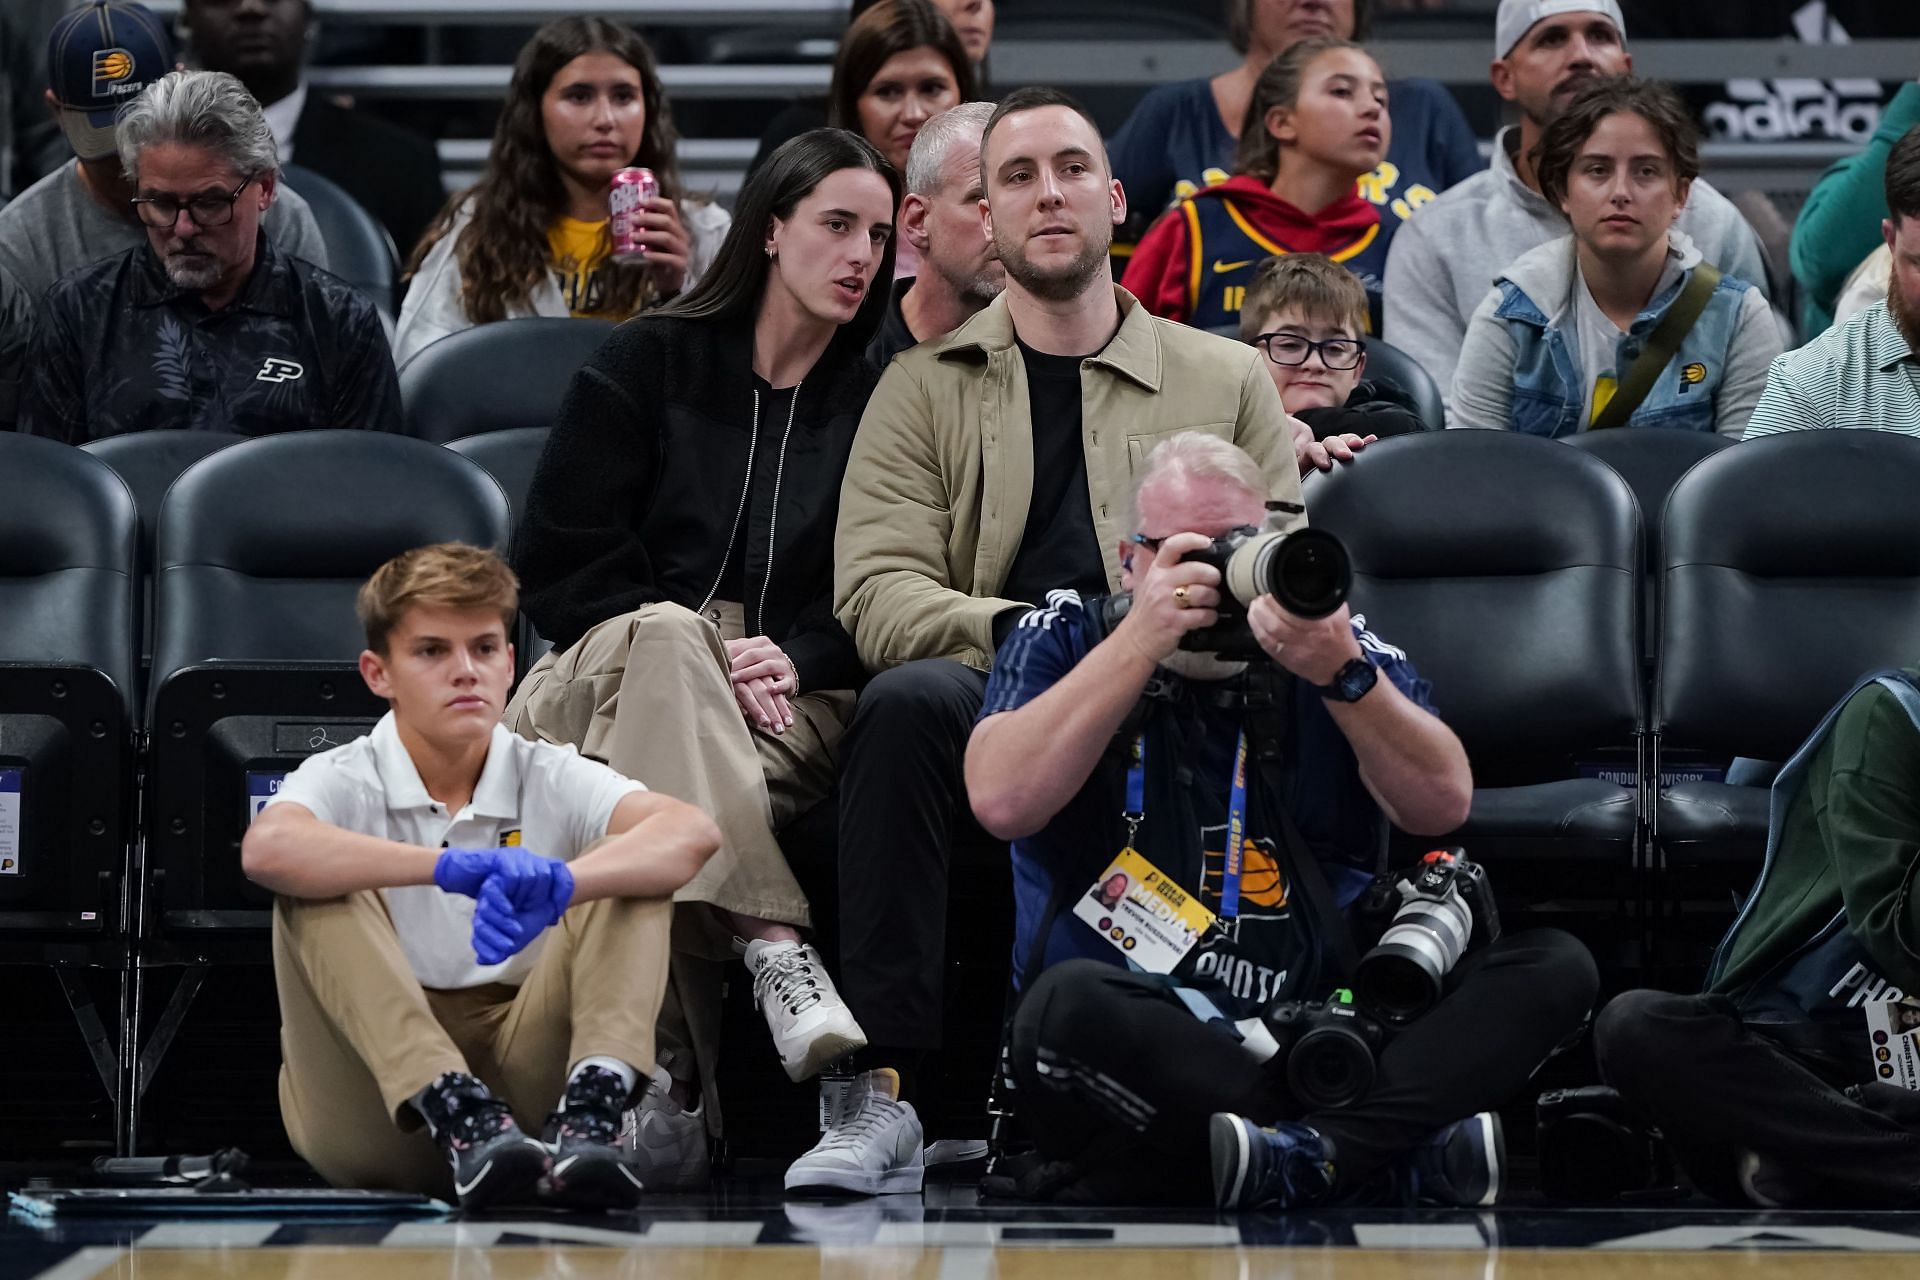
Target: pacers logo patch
(111, 68)
(510, 839)
(1692, 375)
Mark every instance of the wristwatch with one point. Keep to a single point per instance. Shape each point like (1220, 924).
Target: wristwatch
(1351, 682)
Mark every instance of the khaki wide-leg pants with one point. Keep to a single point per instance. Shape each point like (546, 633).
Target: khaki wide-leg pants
(648, 693)
(360, 1036)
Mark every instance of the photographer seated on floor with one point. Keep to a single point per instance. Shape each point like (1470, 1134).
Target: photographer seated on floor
(1782, 1083)
(1229, 745)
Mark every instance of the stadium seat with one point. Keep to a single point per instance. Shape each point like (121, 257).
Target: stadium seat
(1792, 568)
(359, 250)
(508, 456)
(262, 548)
(1508, 569)
(1389, 365)
(496, 376)
(68, 536)
(1651, 461)
(150, 461)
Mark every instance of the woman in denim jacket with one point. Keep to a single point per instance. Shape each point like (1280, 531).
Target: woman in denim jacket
(1562, 326)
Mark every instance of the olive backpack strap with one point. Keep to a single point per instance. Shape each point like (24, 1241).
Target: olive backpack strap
(1661, 348)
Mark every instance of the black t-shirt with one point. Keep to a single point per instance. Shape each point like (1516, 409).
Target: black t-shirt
(775, 406)
(1059, 547)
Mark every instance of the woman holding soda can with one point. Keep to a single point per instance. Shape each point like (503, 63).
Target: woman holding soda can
(677, 549)
(585, 120)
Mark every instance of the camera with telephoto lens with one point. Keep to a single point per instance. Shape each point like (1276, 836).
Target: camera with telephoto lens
(1307, 571)
(1327, 1052)
(1440, 907)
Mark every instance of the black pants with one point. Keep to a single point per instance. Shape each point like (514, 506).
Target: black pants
(901, 795)
(1719, 1087)
(1116, 1076)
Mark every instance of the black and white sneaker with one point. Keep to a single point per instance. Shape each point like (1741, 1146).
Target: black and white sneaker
(591, 1168)
(493, 1161)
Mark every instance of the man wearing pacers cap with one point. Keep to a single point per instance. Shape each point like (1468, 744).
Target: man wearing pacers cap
(1445, 259)
(100, 58)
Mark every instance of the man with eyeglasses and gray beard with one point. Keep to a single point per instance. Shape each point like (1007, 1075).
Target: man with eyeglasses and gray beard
(208, 325)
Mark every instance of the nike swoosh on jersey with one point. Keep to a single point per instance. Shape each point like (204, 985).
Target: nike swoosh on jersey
(1221, 268)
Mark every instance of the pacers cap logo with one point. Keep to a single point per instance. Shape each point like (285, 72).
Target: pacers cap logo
(109, 67)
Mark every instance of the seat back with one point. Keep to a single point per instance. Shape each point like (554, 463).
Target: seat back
(359, 249)
(1792, 568)
(496, 376)
(1508, 569)
(68, 534)
(150, 461)
(262, 548)
(1651, 461)
(509, 457)
(1389, 365)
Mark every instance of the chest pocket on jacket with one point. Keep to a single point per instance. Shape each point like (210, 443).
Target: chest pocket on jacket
(1142, 443)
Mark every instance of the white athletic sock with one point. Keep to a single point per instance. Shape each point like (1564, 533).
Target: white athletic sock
(628, 1076)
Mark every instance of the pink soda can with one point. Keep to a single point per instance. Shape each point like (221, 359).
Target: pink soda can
(626, 201)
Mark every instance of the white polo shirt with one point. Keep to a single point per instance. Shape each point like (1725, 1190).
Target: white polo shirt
(545, 798)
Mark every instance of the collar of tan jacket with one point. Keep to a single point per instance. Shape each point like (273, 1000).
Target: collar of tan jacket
(1134, 352)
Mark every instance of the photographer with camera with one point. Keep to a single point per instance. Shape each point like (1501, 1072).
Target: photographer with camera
(1245, 802)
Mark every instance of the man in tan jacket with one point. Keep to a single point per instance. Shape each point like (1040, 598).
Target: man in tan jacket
(991, 466)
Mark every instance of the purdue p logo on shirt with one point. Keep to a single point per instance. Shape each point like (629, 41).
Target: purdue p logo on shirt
(277, 369)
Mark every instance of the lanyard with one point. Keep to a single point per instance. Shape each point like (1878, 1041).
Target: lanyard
(1136, 812)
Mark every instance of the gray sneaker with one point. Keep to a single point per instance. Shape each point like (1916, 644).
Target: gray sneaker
(875, 1145)
(668, 1142)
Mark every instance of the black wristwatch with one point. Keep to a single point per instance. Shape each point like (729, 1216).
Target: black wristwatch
(1351, 682)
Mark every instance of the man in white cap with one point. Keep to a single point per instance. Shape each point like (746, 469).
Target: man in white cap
(100, 57)
(1445, 258)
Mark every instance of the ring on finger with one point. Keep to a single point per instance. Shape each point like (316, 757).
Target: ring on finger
(1180, 594)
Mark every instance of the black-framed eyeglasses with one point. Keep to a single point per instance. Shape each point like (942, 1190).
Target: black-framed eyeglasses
(1292, 349)
(206, 210)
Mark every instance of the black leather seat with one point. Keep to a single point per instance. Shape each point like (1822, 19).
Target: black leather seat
(1508, 569)
(1792, 569)
(262, 548)
(150, 461)
(1651, 461)
(359, 250)
(1393, 367)
(68, 534)
(496, 376)
(508, 456)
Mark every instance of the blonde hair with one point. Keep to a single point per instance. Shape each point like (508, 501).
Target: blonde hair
(452, 575)
(1196, 456)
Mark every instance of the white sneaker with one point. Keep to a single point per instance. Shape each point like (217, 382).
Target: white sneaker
(875, 1145)
(811, 1024)
(668, 1142)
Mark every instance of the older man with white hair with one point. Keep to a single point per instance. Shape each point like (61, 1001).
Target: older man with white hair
(959, 271)
(208, 325)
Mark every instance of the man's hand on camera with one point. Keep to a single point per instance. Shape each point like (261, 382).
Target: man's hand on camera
(1312, 648)
(1170, 598)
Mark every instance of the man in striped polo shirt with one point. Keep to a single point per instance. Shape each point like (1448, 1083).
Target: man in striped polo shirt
(1866, 372)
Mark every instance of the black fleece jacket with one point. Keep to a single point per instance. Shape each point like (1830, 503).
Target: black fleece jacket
(636, 493)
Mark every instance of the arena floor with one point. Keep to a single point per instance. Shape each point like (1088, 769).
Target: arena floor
(746, 1231)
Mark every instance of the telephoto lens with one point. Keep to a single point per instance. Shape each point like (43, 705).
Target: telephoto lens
(1308, 571)
(1402, 977)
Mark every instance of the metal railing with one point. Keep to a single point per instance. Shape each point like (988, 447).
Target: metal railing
(474, 13)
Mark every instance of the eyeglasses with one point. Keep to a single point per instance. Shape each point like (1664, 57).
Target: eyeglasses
(1291, 349)
(204, 210)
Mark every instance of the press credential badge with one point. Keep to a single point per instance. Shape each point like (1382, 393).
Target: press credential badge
(10, 821)
(1893, 1037)
(1143, 914)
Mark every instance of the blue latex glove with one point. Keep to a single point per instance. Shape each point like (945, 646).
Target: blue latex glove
(463, 871)
(514, 908)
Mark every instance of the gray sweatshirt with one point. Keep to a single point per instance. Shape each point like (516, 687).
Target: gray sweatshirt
(1446, 257)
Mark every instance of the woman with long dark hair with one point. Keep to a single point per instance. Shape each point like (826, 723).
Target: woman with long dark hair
(532, 237)
(900, 64)
(1316, 124)
(677, 548)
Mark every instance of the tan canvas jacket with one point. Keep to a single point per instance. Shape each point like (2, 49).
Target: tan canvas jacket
(936, 494)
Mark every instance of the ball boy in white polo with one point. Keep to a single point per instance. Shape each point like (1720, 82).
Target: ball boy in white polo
(446, 948)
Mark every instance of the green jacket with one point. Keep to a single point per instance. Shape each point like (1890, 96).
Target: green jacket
(936, 493)
(1819, 935)
(1839, 225)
